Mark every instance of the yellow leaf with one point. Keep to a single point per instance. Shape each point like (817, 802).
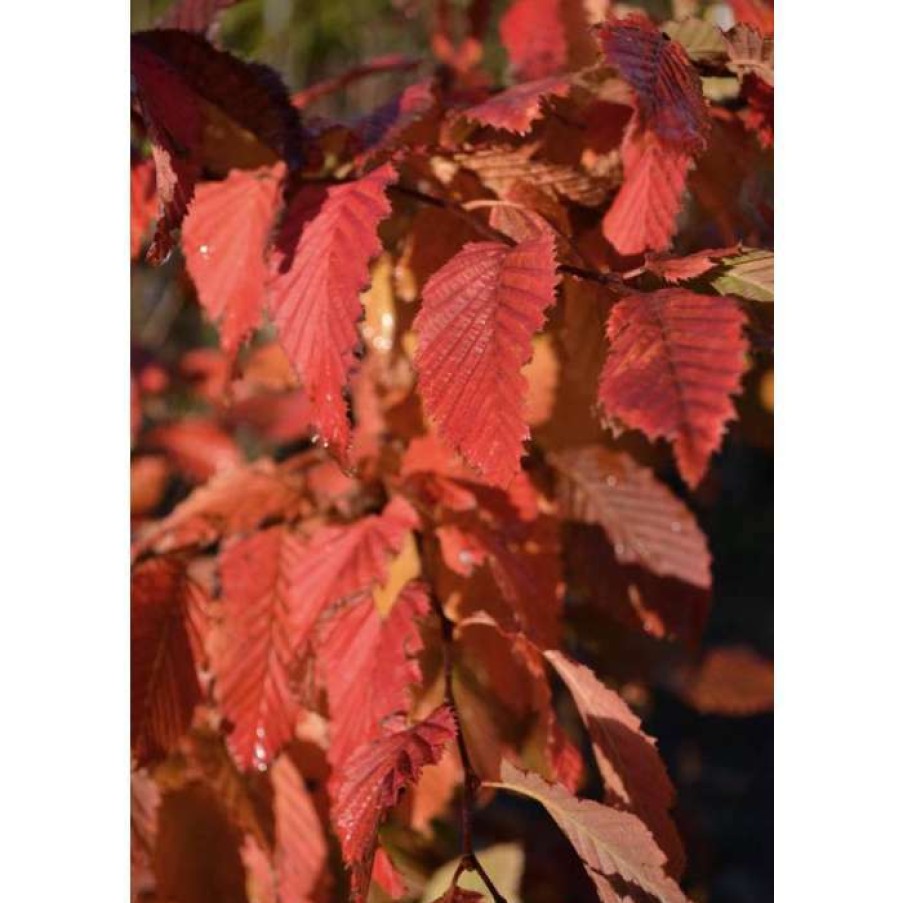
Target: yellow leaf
(404, 568)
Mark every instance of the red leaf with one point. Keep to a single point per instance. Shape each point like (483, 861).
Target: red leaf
(347, 559)
(634, 775)
(198, 447)
(235, 501)
(276, 587)
(758, 13)
(675, 360)
(224, 238)
(372, 781)
(516, 109)
(384, 128)
(668, 90)
(173, 119)
(529, 214)
(644, 212)
(615, 846)
(479, 313)
(206, 108)
(630, 595)
(145, 810)
(264, 620)
(533, 34)
(523, 558)
(165, 685)
(758, 116)
(565, 758)
(677, 269)
(477, 524)
(300, 844)
(645, 522)
(316, 291)
(150, 476)
(229, 90)
(260, 882)
(368, 665)
(387, 876)
(143, 201)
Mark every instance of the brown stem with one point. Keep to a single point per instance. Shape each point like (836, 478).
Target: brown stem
(462, 211)
(469, 861)
(389, 63)
(456, 210)
(609, 279)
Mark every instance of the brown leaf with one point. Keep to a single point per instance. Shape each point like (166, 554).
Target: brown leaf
(645, 522)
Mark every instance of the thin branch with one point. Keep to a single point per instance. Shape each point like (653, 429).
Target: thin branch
(392, 62)
(462, 211)
(609, 279)
(456, 210)
(469, 861)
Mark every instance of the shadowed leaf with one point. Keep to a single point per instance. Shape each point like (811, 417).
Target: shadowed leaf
(645, 522)
(614, 846)
(165, 685)
(668, 90)
(634, 774)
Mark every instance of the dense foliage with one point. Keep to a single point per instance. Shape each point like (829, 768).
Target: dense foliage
(387, 514)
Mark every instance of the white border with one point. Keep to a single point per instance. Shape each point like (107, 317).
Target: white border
(839, 470)
(63, 451)
(64, 664)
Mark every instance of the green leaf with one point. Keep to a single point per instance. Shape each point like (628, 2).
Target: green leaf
(504, 863)
(751, 275)
(702, 40)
